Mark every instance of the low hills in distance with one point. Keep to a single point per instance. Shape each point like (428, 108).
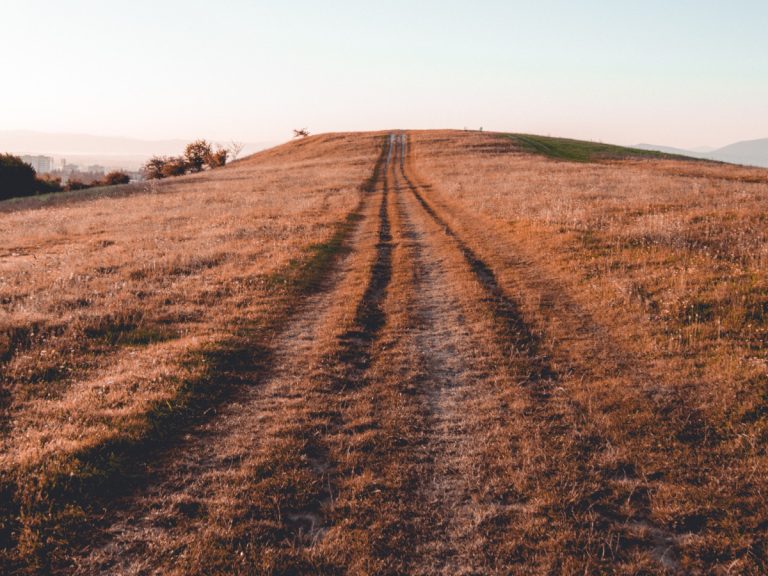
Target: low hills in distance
(748, 152)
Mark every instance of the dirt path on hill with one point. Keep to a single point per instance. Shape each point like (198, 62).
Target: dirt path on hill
(414, 423)
(463, 409)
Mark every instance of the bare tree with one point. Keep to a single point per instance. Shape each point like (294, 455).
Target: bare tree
(303, 133)
(234, 149)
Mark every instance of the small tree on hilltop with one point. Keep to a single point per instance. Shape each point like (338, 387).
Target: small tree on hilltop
(116, 177)
(197, 155)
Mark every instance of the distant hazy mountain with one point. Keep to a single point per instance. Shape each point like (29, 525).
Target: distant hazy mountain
(750, 152)
(109, 151)
(754, 152)
(671, 150)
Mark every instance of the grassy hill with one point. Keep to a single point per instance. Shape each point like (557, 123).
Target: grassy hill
(584, 151)
(433, 352)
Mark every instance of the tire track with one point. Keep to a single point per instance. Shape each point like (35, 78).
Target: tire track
(462, 409)
(378, 424)
(417, 432)
(518, 333)
(346, 370)
(369, 314)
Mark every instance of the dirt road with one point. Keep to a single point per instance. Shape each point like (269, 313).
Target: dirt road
(412, 422)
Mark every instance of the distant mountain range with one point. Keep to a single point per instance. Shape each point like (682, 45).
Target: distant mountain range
(85, 149)
(749, 152)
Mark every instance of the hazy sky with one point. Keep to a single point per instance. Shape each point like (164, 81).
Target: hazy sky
(675, 72)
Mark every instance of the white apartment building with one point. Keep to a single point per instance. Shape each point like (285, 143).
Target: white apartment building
(41, 164)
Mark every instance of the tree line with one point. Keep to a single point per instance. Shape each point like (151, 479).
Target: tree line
(198, 156)
(18, 180)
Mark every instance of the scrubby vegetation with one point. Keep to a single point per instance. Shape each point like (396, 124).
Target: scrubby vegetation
(198, 156)
(19, 180)
(115, 178)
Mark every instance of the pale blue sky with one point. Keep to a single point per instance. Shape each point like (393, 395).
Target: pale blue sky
(675, 72)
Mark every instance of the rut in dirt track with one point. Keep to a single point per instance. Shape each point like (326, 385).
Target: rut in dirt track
(520, 336)
(369, 315)
(458, 387)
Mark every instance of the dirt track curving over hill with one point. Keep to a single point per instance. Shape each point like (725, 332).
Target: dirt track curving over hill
(441, 401)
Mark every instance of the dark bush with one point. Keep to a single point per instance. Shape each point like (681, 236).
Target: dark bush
(16, 177)
(175, 166)
(217, 159)
(48, 184)
(116, 177)
(153, 169)
(75, 184)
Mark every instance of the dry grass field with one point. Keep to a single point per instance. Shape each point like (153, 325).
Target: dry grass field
(124, 317)
(408, 353)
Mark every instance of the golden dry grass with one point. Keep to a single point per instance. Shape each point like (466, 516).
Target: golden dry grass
(499, 364)
(646, 282)
(112, 306)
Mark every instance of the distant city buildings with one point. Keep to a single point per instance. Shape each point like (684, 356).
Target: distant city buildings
(65, 171)
(41, 164)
